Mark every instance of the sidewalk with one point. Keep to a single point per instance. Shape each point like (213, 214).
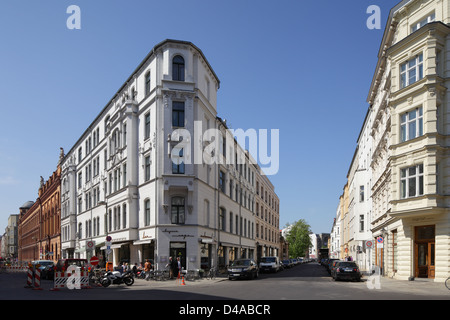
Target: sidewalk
(417, 286)
(179, 282)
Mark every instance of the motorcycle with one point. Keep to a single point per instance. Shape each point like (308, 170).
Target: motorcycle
(115, 277)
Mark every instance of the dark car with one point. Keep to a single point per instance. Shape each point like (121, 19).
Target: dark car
(46, 268)
(243, 268)
(287, 263)
(63, 264)
(329, 264)
(333, 266)
(346, 270)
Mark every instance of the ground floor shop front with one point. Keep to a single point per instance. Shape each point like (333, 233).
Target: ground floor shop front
(414, 246)
(195, 249)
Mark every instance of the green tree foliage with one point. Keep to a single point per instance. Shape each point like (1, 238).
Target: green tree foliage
(298, 238)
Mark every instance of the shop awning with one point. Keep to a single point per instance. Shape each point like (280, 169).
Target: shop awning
(144, 241)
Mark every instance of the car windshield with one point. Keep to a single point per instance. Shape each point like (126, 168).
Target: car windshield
(348, 264)
(268, 259)
(239, 263)
(46, 263)
(285, 261)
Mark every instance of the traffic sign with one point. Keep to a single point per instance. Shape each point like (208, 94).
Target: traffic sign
(369, 244)
(108, 238)
(380, 239)
(94, 261)
(90, 245)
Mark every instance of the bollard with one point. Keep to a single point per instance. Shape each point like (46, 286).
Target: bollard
(29, 278)
(37, 280)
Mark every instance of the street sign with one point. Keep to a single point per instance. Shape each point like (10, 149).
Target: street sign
(108, 238)
(94, 261)
(369, 244)
(380, 242)
(90, 245)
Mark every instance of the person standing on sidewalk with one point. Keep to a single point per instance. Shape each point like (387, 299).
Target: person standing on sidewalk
(147, 268)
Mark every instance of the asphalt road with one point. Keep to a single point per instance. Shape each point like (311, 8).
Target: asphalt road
(303, 282)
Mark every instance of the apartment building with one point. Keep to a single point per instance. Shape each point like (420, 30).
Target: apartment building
(159, 174)
(39, 222)
(267, 215)
(404, 169)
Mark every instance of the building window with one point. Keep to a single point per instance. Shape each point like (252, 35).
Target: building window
(361, 193)
(177, 114)
(178, 68)
(361, 223)
(147, 83)
(222, 181)
(411, 181)
(177, 210)
(411, 124)
(421, 23)
(177, 161)
(222, 219)
(411, 71)
(147, 212)
(124, 215)
(147, 168)
(147, 126)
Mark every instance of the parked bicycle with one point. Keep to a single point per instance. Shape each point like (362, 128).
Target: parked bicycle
(447, 283)
(211, 274)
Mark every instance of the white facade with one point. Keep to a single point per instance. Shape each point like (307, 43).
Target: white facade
(123, 179)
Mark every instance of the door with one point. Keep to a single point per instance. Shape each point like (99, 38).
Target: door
(178, 250)
(424, 252)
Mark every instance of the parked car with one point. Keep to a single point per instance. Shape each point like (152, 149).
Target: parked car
(329, 263)
(243, 268)
(287, 263)
(46, 268)
(295, 262)
(333, 266)
(270, 264)
(63, 264)
(346, 270)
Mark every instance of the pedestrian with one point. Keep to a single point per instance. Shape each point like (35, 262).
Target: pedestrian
(179, 266)
(169, 265)
(147, 268)
(134, 269)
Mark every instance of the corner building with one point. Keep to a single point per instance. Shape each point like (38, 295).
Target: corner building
(132, 176)
(409, 116)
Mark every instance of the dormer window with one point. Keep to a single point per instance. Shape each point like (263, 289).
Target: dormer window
(423, 22)
(178, 68)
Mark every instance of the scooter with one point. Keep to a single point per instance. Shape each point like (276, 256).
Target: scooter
(115, 277)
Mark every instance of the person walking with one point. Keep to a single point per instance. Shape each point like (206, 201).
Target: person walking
(147, 268)
(170, 266)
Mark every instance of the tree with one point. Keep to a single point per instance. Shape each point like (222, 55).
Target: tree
(298, 238)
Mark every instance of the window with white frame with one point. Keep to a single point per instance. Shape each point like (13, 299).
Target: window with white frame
(411, 181)
(411, 124)
(421, 23)
(411, 71)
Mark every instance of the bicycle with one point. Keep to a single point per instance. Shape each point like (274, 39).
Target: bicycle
(447, 283)
(211, 274)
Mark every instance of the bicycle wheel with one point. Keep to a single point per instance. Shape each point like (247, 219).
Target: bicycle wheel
(447, 283)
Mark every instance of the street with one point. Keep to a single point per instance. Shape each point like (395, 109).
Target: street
(303, 282)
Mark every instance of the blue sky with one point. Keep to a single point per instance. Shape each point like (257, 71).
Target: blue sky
(303, 67)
